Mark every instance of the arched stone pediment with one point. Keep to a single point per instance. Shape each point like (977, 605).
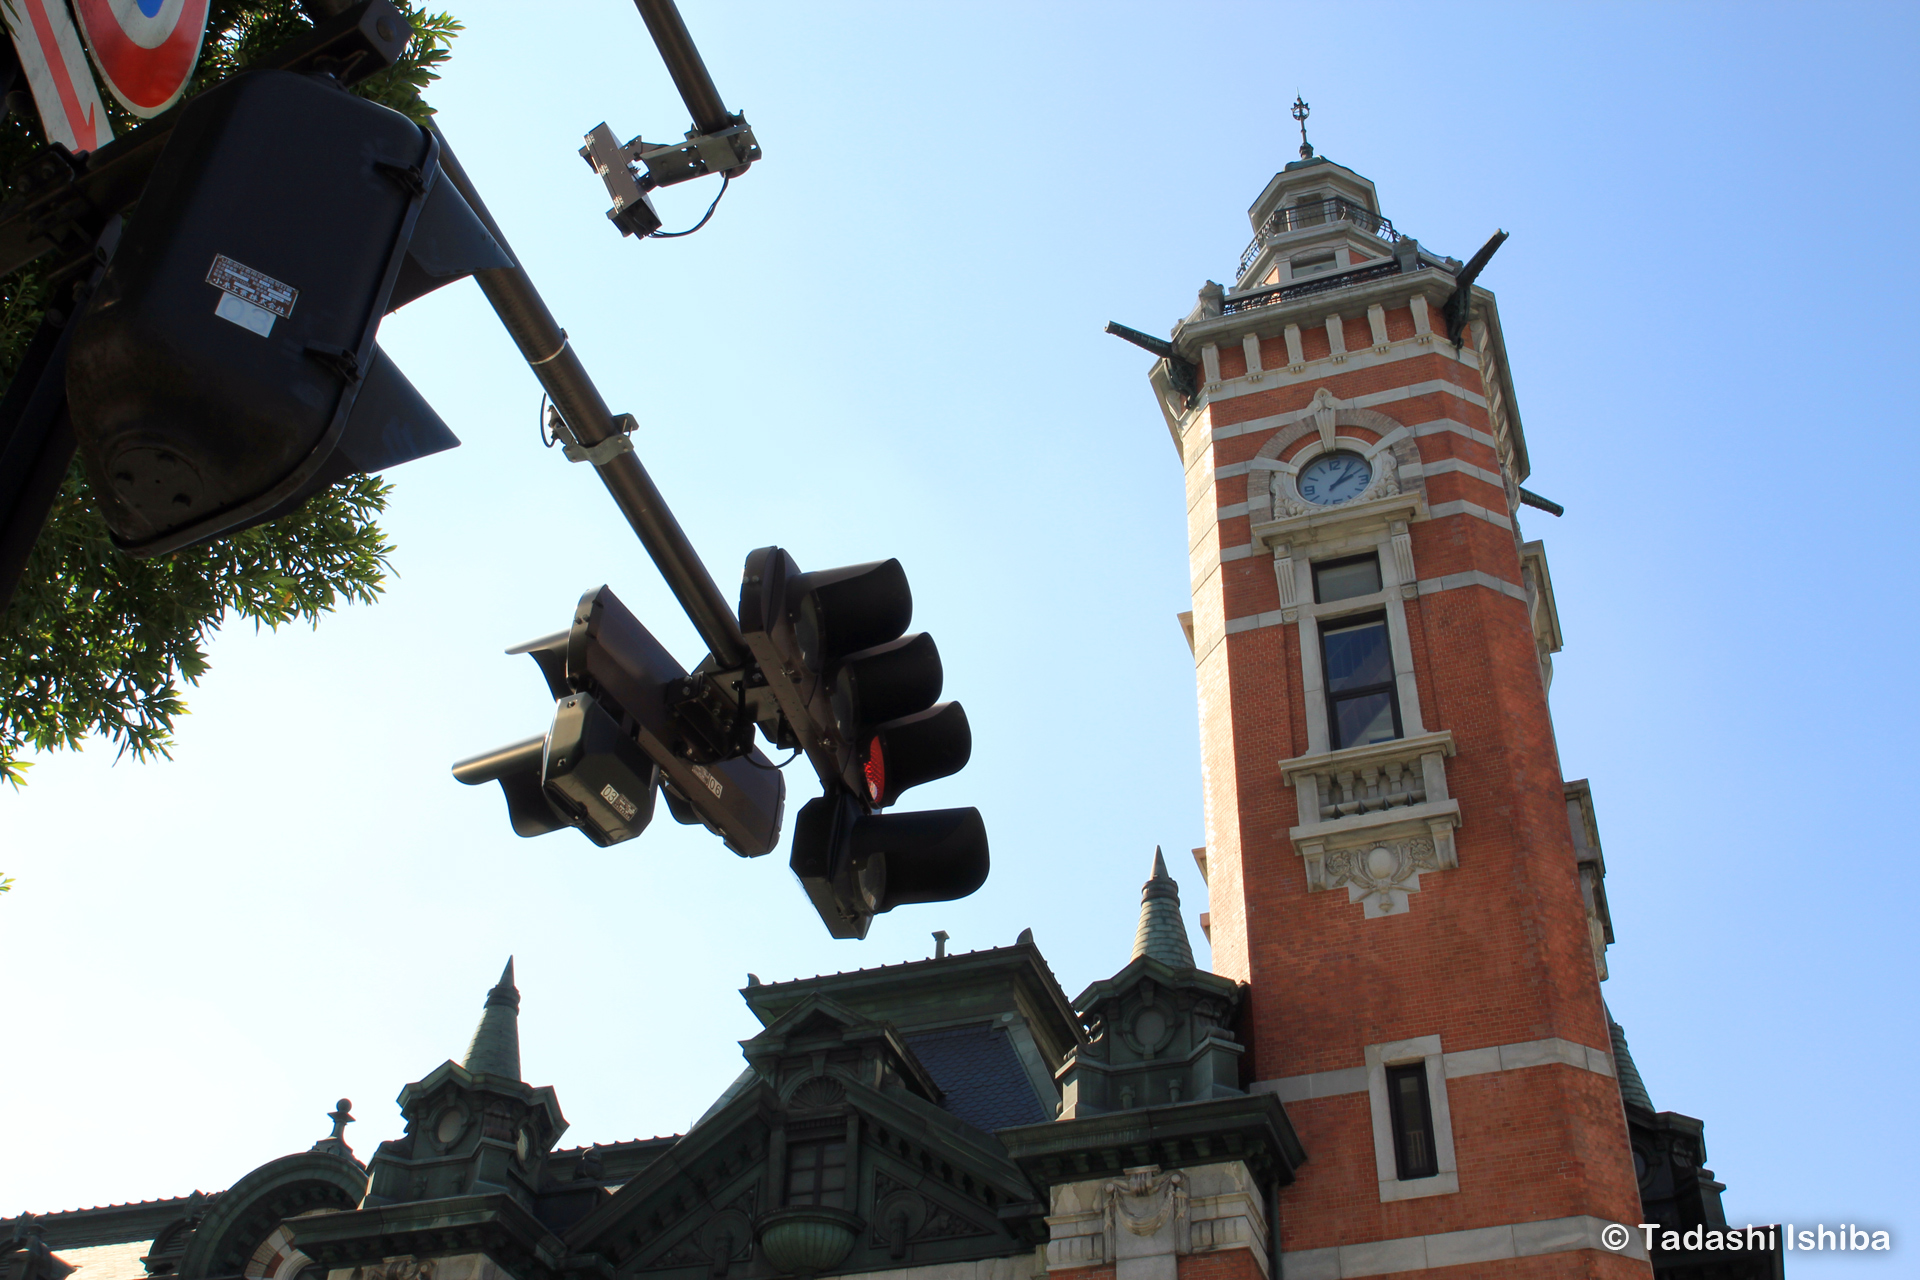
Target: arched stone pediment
(250, 1211)
(1271, 492)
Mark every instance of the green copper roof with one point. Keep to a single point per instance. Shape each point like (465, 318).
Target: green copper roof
(1162, 933)
(1633, 1090)
(495, 1050)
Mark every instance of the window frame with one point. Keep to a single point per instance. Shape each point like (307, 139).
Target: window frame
(1403, 1164)
(1425, 1052)
(1316, 567)
(818, 1168)
(1390, 686)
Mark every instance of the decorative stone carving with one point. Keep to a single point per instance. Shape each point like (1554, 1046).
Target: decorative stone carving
(399, 1267)
(1324, 416)
(1324, 409)
(1283, 576)
(1144, 1205)
(1373, 818)
(816, 1092)
(1200, 1209)
(1382, 876)
(1403, 559)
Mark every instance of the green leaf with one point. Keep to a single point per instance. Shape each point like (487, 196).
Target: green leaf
(96, 642)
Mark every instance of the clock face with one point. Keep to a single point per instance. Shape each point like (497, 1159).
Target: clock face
(1335, 477)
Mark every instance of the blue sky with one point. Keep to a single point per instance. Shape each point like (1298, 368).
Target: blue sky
(888, 342)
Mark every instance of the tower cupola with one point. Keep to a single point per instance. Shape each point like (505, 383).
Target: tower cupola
(1314, 218)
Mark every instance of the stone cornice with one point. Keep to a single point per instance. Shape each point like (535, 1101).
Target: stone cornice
(1048, 1012)
(541, 1098)
(497, 1225)
(1412, 819)
(1165, 975)
(1347, 517)
(1374, 753)
(1271, 321)
(1253, 1128)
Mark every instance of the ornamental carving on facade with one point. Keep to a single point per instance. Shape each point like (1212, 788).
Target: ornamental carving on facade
(1325, 416)
(818, 1091)
(1382, 874)
(402, 1267)
(1145, 1204)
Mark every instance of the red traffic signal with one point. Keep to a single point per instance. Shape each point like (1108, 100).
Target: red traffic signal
(915, 749)
(860, 698)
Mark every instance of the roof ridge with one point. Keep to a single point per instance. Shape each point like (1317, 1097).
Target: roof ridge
(107, 1208)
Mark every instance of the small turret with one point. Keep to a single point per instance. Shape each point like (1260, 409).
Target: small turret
(1162, 933)
(473, 1127)
(495, 1048)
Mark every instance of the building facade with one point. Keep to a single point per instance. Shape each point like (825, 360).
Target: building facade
(1400, 1062)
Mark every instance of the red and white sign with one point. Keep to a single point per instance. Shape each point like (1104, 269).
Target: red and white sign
(146, 49)
(57, 72)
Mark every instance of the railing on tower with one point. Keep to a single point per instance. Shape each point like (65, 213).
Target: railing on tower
(1313, 213)
(1319, 284)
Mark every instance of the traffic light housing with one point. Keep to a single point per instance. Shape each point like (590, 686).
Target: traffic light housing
(619, 730)
(225, 369)
(860, 698)
(855, 865)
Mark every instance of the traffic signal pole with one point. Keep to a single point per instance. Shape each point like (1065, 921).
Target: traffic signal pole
(684, 64)
(544, 346)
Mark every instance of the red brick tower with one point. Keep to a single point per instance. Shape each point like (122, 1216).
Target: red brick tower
(1388, 847)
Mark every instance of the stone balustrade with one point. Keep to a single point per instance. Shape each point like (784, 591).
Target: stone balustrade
(1373, 818)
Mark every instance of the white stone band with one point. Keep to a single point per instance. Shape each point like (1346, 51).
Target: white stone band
(1453, 1248)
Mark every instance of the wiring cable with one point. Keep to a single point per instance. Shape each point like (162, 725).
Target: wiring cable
(668, 235)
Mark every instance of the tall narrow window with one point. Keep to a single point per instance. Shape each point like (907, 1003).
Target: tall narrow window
(817, 1174)
(1362, 706)
(1413, 1149)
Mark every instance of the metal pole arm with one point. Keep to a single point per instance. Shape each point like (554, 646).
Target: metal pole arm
(684, 64)
(544, 345)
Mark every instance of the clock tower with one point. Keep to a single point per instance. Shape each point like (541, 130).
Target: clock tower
(1390, 858)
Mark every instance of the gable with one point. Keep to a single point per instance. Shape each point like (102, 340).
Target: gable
(895, 1176)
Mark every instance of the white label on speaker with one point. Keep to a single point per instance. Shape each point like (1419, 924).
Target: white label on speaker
(621, 805)
(713, 783)
(245, 314)
(257, 287)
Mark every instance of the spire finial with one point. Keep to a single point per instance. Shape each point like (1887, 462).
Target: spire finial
(495, 1049)
(1162, 933)
(336, 1142)
(1300, 112)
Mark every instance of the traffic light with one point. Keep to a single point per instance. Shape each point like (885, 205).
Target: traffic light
(225, 369)
(621, 727)
(859, 697)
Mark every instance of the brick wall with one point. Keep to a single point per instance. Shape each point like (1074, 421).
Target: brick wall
(1492, 952)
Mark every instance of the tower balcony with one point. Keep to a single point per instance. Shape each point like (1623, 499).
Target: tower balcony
(1316, 214)
(1373, 818)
